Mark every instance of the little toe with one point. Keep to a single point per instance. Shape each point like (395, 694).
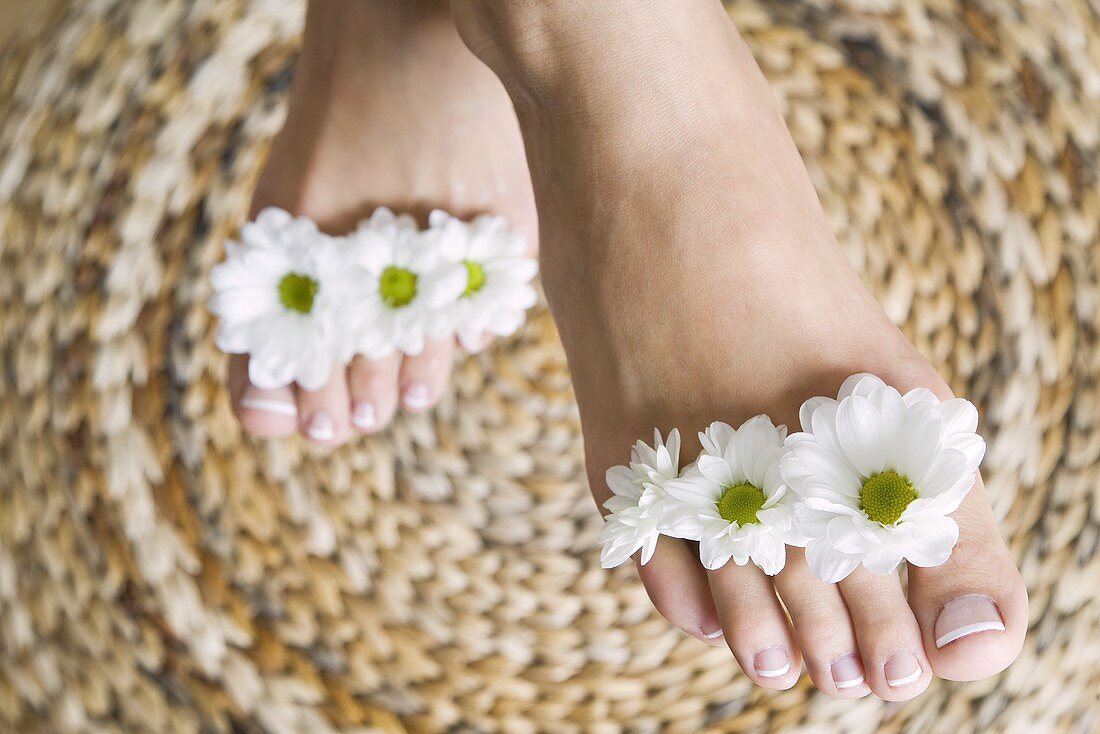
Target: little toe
(822, 628)
(677, 586)
(755, 625)
(424, 376)
(323, 414)
(972, 610)
(373, 391)
(262, 413)
(889, 637)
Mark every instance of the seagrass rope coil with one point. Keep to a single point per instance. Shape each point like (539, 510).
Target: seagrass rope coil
(160, 572)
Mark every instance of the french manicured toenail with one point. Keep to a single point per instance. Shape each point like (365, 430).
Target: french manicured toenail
(267, 405)
(847, 672)
(771, 663)
(321, 427)
(967, 615)
(364, 415)
(416, 396)
(902, 669)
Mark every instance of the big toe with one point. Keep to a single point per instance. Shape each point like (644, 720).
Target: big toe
(973, 609)
(262, 413)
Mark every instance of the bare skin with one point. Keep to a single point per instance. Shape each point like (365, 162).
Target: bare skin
(693, 277)
(688, 265)
(388, 108)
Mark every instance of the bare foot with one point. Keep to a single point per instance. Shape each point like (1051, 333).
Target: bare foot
(694, 278)
(389, 108)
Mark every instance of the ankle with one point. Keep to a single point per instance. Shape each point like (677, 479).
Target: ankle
(541, 47)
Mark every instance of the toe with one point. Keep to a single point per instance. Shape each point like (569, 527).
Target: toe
(822, 629)
(373, 391)
(424, 376)
(677, 585)
(973, 609)
(755, 625)
(263, 413)
(889, 638)
(323, 414)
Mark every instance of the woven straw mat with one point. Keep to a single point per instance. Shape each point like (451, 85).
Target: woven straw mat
(160, 572)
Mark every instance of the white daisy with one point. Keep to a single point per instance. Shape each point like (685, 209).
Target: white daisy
(498, 288)
(637, 507)
(877, 473)
(735, 503)
(276, 297)
(404, 286)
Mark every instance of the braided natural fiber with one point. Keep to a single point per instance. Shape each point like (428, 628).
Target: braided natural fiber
(160, 572)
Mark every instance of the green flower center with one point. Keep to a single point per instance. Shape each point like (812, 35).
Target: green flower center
(475, 278)
(740, 503)
(885, 496)
(297, 291)
(398, 286)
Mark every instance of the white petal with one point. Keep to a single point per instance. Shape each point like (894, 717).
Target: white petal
(933, 542)
(716, 438)
(827, 564)
(918, 440)
(861, 384)
(620, 480)
(806, 412)
(713, 554)
(882, 560)
(866, 440)
(920, 395)
(716, 470)
(948, 472)
(959, 416)
(758, 448)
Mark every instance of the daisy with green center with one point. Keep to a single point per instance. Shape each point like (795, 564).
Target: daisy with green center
(637, 505)
(498, 271)
(877, 475)
(734, 501)
(404, 286)
(276, 297)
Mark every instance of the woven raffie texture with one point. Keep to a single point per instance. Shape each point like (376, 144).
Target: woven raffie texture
(159, 572)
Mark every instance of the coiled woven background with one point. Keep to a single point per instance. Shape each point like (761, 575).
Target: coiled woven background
(159, 572)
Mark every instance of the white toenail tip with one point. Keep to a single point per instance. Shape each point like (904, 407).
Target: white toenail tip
(774, 673)
(322, 433)
(364, 416)
(970, 629)
(278, 407)
(713, 635)
(899, 682)
(416, 396)
(843, 684)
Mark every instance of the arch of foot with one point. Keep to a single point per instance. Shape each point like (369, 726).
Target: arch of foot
(159, 572)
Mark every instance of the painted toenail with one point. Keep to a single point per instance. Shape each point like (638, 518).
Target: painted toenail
(364, 415)
(967, 615)
(902, 669)
(278, 407)
(416, 396)
(772, 663)
(321, 427)
(848, 672)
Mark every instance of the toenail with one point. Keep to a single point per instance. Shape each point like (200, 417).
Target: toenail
(321, 427)
(416, 396)
(848, 672)
(771, 663)
(713, 635)
(902, 669)
(278, 407)
(364, 415)
(966, 615)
